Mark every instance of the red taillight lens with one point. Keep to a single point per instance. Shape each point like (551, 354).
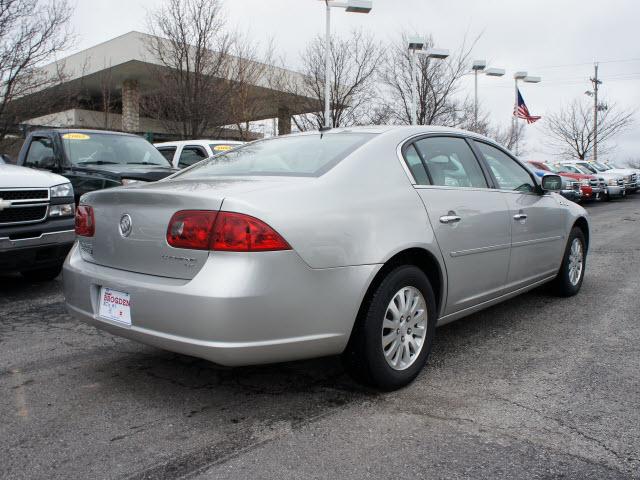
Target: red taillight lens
(241, 233)
(235, 232)
(191, 229)
(85, 222)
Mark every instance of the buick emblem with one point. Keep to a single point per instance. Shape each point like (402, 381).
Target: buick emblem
(125, 225)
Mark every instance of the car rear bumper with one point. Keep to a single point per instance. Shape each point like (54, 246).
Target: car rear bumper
(240, 309)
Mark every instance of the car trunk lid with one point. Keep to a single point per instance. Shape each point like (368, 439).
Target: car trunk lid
(143, 248)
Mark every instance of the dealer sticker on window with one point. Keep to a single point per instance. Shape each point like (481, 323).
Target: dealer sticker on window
(115, 305)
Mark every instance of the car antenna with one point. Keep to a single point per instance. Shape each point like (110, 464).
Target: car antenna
(322, 130)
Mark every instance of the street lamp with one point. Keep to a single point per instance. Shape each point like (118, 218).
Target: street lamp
(525, 77)
(351, 6)
(416, 46)
(479, 66)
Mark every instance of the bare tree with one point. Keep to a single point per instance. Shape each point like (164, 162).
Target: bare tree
(194, 52)
(570, 129)
(32, 32)
(353, 95)
(438, 84)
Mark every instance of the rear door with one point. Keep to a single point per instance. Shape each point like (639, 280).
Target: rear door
(537, 221)
(470, 220)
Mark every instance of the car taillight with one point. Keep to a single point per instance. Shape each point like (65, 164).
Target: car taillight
(228, 231)
(237, 232)
(191, 229)
(85, 222)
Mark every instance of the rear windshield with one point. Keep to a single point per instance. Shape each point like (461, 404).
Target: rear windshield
(298, 156)
(109, 149)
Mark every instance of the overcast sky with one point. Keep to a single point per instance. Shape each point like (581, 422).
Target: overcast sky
(558, 40)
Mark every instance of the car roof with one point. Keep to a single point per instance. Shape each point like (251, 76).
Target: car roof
(42, 131)
(191, 142)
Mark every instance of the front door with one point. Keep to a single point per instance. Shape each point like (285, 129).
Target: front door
(469, 219)
(537, 224)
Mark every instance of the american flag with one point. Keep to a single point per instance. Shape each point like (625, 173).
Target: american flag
(521, 110)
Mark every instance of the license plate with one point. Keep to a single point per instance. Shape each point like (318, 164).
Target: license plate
(115, 305)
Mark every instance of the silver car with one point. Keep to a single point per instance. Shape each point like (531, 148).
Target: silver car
(348, 241)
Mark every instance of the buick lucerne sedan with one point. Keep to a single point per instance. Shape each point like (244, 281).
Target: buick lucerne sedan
(348, 241)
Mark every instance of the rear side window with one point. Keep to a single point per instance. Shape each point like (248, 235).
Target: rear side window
(509, 174)
(299, 155)
(40, 154)
(451, 162)
(191, 154)
(414, 162)
(168, 153)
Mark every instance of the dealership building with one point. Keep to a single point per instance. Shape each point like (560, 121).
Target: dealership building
(132, 73)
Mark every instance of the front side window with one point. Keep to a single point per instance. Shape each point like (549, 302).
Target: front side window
(109, 149)
(299, 155)
(168, 153)
(509, 174)
(40, 154)
(586, 168)
(191, 154)
(450, 162)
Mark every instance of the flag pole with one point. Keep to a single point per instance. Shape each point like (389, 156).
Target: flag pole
(515, 118)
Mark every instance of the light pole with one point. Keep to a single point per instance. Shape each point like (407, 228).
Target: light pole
(479, 66)
(352, 6)
(596, 108)
(416, 46)
(528, 79)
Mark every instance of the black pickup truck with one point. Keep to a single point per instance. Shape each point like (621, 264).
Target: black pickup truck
(94, 159)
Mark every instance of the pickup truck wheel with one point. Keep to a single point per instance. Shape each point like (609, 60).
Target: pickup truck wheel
(571, 274)
(392, 337)
(42, 274)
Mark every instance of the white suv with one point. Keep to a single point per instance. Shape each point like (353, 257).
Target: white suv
(185, 153)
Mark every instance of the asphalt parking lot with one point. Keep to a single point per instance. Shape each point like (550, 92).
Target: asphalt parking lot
(538, 387)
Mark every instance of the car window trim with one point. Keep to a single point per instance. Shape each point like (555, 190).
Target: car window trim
(411, 140)
(532, 175)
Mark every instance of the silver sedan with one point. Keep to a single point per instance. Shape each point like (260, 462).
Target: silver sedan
(348, 241)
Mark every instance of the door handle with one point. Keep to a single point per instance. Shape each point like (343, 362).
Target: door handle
(449, 219)
(520, 216)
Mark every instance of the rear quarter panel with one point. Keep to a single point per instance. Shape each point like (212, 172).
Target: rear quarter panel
(363, 211)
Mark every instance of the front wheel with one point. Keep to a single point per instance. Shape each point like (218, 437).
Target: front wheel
(571, 274)
(392, 337)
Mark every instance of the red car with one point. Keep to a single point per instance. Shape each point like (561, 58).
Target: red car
(590, 186)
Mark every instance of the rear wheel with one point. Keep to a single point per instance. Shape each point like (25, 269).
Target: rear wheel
(571, 274)
(393, 335)
(42, 274)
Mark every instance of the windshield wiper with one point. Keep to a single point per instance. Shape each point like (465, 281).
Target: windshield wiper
(97, 162)
(146, 163)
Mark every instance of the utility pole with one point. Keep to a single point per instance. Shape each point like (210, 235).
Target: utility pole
(595, 82)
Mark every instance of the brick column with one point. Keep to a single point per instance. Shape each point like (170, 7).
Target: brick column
(130, 106)
(284, 121)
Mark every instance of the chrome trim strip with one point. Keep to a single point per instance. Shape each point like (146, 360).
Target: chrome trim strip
(471, 251)
(536, 240)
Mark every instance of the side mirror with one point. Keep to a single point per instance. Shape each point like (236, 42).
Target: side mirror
(551, 183)
(48, 163)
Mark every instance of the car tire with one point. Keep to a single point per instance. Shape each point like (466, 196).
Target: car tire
(365, 357)
(569, 281)
(42, 274)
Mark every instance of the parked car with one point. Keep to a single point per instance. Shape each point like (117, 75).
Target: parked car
(591, 186)
(94, 159)
(353, 241)
(36, 222)
(185, 153)
(570, 187)
(629, 175)
(614, 182)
